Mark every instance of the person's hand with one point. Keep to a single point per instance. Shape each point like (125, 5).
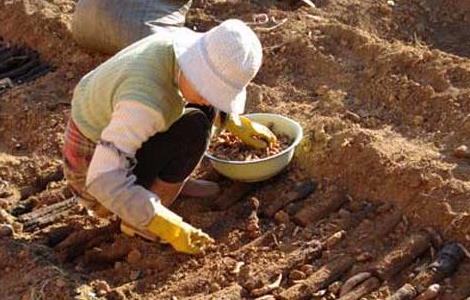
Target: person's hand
(182, 236)
(251, 133)
(191, 240)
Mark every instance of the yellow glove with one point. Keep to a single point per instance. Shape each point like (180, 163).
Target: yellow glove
(183, 237)
(251, 133)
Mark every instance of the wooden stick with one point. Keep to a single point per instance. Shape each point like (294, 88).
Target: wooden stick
(57, 235)
(363, 289)
(22, 69)
(35, 72)
(41, 183)
(76, 243)
(293, 259)
(445, 264)
(267, 288)
(402, 255)
(406, 292)
(385, 224)
(233, 194)
(254, 243)
(46, 220)
(318, 280)
(354, 281)
(48, 210)
(300, 191)
(313, 212)
(431, 293)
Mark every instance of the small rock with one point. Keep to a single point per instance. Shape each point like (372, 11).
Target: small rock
(23, 253)
(462, 152)
(418, 120)
(69, 75)
(297, 275)
(79, 268)
(18, 227)
(391, 3)
(214, 287)
(60, 283)
(102, 287)
(364, 256)
(6, 230)
(320, 293)
(307, 269)
(344, 213)
(135, 275)
(281, 217)
(5, 217)
(4, 202)
(335, 239)
(27, 295)
(117, 265)
(134, 256)
(335, 287)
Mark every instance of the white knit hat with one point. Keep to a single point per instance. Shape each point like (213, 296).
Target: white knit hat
(220, 63)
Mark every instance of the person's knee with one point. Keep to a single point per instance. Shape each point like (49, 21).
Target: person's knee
(197, 126)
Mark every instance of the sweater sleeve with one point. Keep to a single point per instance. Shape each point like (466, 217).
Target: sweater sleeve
(109, 178)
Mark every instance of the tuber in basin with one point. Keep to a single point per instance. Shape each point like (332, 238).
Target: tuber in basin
(264, 168)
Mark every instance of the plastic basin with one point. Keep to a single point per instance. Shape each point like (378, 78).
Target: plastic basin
(264, 168)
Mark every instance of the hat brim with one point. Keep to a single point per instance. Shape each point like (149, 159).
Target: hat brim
(191, 60)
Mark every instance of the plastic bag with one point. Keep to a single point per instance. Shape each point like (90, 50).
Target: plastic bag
(111, 25)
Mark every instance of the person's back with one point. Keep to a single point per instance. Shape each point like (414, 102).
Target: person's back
(142, 72)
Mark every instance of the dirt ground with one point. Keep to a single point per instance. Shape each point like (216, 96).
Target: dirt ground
(382, 89)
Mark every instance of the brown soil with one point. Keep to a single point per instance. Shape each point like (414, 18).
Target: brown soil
(382, 90)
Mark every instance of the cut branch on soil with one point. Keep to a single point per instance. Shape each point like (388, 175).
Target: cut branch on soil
(431, 293)
(300, 191)
(254, 243)
(402, 255)
(362, 289)
(293, 259)
(48, 215)
(406, 292)
(314, 212)
(233, 194)
(446, 263)
(41, 183)
(354, 281)
(80, 241)
(268, 288)
(319, 280)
